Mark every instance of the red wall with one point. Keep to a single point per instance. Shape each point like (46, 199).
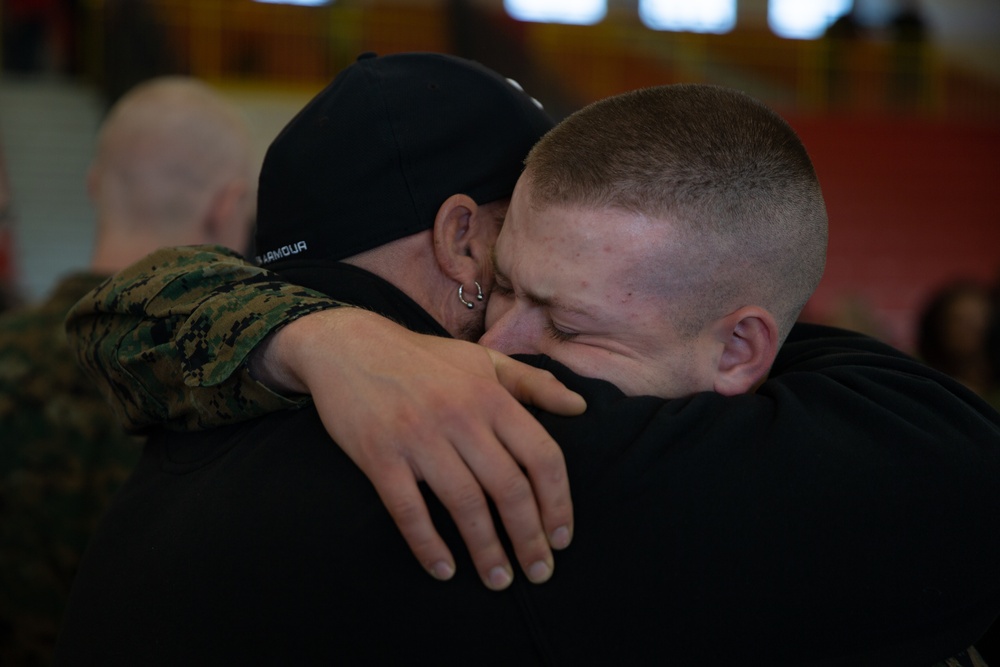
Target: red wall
(912, 204)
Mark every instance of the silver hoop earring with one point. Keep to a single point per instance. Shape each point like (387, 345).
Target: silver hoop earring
(461, 295)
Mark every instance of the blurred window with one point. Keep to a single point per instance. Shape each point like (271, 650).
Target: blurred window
(712, 16)
(804, 19)
(574, 12)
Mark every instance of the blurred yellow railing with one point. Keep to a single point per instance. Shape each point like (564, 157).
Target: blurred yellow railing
(274, 45)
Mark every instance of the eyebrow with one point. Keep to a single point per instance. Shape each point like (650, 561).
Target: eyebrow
(549, 302)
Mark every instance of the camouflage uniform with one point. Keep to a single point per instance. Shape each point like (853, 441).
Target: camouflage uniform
(201, 310)
(197, 311)
(969, 658)
(62, 457)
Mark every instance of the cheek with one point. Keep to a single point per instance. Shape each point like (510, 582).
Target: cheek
(497, 305)
(589, 361)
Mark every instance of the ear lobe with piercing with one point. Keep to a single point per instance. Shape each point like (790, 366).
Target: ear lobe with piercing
(469, 304)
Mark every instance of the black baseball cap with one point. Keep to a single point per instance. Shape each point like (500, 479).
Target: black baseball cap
(373, 156)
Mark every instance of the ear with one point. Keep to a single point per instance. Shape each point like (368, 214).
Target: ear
(227, 218)
(457, 244)
(749, 338)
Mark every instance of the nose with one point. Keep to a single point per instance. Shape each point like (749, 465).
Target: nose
(514, 329)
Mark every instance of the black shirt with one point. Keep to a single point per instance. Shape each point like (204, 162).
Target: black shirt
(843, 514)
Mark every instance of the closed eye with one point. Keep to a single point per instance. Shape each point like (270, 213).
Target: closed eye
(558, 334)
(502, 289)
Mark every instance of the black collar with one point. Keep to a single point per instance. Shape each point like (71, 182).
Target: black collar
(358, 287)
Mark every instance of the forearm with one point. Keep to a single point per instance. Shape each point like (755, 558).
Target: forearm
(167, 339)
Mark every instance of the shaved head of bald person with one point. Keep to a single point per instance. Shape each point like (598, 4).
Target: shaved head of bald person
(174, 166)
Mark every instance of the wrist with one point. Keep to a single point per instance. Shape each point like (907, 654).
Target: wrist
(286, 358)
(268, 366)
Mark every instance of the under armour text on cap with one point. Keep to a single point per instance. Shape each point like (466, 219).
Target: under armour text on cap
(373, 156)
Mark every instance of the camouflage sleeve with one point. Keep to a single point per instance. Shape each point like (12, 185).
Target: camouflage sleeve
(167, 339)
(967, 658)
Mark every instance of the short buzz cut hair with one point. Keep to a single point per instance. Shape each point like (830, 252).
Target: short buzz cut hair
(728, 173)
(165, 148)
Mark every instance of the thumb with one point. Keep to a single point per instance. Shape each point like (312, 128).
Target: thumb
(537, 387)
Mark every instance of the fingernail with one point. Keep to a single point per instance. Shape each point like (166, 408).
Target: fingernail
(560, 537)
(539, 572)
(500, 578)
(442, 570)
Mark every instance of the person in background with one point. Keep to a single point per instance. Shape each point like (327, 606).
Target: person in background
(993, 334)
(174, 165)
(959, 333)
(953, 336)
(990, 642)
(9, 296)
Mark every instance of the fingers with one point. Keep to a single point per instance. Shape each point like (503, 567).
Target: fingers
(537, 387)
(460, 492)
(407, 424)
(465, 469)
(512, 493)
(534, 504)
(542, 459)
(400, 494)
(437, 462)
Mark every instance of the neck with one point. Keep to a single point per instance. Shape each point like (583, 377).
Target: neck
(409, 264)
(116, 247)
